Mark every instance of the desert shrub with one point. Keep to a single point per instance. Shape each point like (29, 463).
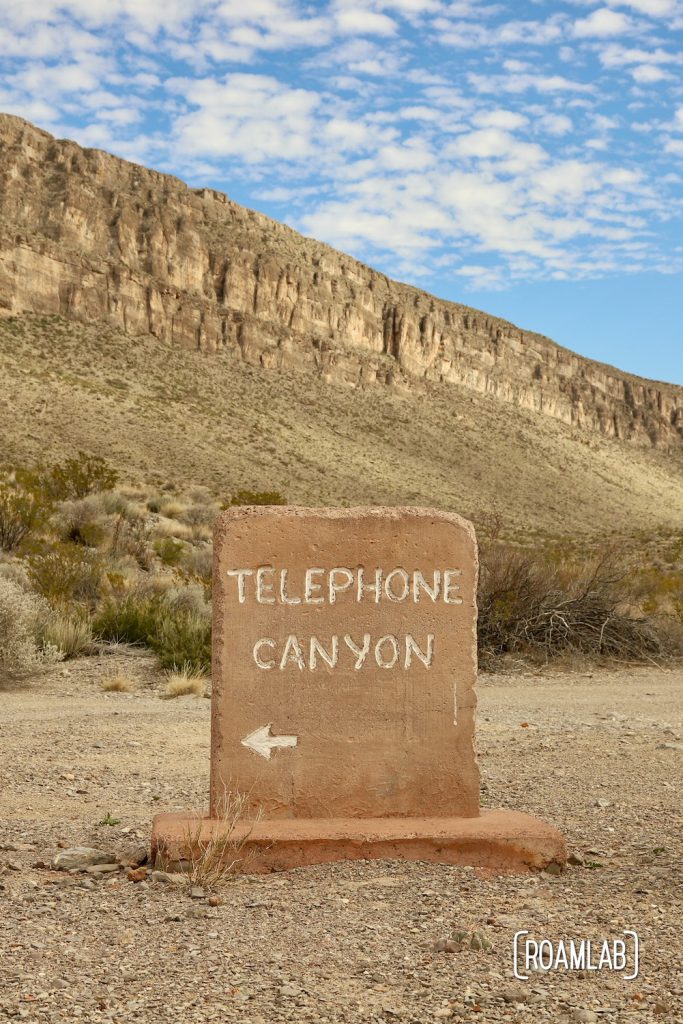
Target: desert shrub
(179, 636)
(83, 521)
(78, 476)
(198, 563)
(164, 527)
(190, 598)
(255, 498)
(71, 635)
(171, 507)
(183, 640)
(132, 620)
(21, 510)
(15, 571)
(532, 605)
(130, 536)
(66, 573)
(169, 550)
(22, 618)
(201, 515)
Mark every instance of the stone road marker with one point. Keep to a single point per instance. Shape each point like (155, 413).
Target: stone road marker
(344, 692)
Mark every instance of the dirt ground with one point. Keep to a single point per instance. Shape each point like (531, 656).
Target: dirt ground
(598, 754)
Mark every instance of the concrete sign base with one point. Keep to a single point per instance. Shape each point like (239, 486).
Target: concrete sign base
(498, 840)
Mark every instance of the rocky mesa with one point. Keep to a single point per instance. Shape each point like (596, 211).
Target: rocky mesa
(91, 237)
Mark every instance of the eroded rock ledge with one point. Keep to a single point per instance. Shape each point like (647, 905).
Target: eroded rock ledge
(88, 236)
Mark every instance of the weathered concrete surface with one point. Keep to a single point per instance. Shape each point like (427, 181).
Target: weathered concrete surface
(387, 728)
(343, 697)
(94, 238)
(498, 840)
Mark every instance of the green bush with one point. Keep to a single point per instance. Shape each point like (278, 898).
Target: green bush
(256, 498)
(169, 550)
(21, 510)
(66, 574)
(178, 636)
(78, 476)
(132, 620)
(183, 641)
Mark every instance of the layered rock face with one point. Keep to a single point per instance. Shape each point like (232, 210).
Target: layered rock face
(88, 236)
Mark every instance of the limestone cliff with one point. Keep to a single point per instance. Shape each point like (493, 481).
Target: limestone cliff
(95, 238)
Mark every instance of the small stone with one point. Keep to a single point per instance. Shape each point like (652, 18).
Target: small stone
(515, 994)
(101, 869)
(446, 946)
(215, 901)
(13, 865)
(197, 893)
(661, 1008)
(136, 856)
(87, 883)
(137, 874)
(553, 868)
(602, 803)
(670, 746)
(289, 990)
(584, 1016)
(576, 859)
(80, 857)
(444, 1013)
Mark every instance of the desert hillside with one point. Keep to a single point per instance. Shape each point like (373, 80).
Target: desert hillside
(91, 237)
(164, 414)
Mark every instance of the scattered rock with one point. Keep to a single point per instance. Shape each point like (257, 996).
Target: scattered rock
(602, 803)
(137, 874)
(102, 869)
(670, 746)
(515, 994)
(215, 901)
(197, 893)
(289, 990)
(576, 859)
(584, 1016)
(79, 858)
(136, 856)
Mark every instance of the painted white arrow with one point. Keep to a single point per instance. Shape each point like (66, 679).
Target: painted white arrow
(261, 742)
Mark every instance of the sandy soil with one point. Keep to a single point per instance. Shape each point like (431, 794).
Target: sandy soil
(600, 755)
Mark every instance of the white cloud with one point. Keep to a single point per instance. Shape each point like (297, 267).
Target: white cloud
(654, 8)
(522, 81)
(467, 34)
(254, 117)
(602, 23)
(555, 124)
(360, 21)
(646, 74)
(506, 119)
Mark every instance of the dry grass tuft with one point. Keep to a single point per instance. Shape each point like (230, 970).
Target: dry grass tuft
(117, 683)
(186, 682)
(223, 855)
(71, 635)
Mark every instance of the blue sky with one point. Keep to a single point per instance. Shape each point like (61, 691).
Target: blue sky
(525, 158)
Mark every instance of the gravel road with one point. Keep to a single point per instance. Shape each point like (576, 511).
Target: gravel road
(599, 754)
